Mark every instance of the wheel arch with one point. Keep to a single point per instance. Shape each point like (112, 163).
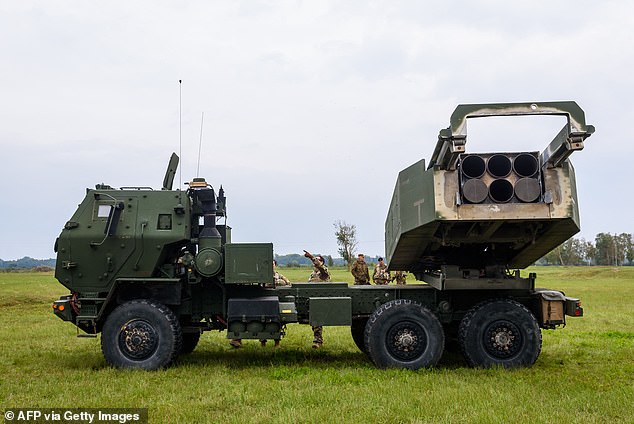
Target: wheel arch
(166, 291)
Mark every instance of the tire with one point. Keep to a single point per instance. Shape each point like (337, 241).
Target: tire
(141, 334)
(190, 341)
(500, 333)
(404, 334)
(357, 329)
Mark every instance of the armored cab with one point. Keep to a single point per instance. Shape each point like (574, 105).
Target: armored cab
(483, 213)
(123, 245)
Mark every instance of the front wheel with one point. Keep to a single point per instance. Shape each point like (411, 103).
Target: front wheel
(404, 334)
(141, 334)
(500, 333)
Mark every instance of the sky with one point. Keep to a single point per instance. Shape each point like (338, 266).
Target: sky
(311, 108)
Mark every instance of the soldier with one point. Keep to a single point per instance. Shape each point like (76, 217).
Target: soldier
(280, 280)
(360, 271)
(381, 275)
(320, 274)
(400, 277)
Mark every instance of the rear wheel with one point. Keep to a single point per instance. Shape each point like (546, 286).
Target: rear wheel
(141, 334)
(358, 332)
(404, 334)
(500, 333)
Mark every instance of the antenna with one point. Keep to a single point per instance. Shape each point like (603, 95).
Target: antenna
(167, 182)
(180, 132)
(200, 143)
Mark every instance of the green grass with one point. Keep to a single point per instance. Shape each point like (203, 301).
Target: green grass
(584, 373)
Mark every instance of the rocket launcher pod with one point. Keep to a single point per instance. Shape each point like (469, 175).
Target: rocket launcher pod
(498, 209)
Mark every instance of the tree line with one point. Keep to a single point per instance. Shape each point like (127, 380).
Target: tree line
(607, 249)
(27, 263)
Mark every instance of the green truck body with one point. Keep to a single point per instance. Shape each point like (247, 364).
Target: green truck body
(151, 270)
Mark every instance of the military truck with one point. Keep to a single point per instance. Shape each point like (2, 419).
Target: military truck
(151, 270)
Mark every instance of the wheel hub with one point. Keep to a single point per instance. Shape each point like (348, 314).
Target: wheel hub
(406, 341)
(502, 339)
(138, 339)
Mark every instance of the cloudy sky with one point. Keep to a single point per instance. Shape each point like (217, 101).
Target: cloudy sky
(311, 108)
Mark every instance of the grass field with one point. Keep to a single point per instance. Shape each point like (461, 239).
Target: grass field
(585, 372)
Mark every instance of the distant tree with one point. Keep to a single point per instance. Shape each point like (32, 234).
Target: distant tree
(614, 249)
(577, 252)
(571, 252)
(630, 249)
(623, 243)
(329, 261)
(591, 253)
(347, 240)
(574, 252)
(607, 251)
(604, 253)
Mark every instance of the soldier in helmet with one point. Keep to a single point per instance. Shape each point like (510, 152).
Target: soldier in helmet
(360, 271)
(381, 275)
(320, 274)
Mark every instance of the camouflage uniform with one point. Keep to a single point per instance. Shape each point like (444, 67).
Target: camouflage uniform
(320, 274)
(400, 277)
(360, 273)
(381, 275)
(280, 280)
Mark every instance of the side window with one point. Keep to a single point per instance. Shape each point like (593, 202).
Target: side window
(164, 222)
(103, 211)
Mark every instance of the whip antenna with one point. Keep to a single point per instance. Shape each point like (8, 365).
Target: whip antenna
(180, 132)
(200, 143)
